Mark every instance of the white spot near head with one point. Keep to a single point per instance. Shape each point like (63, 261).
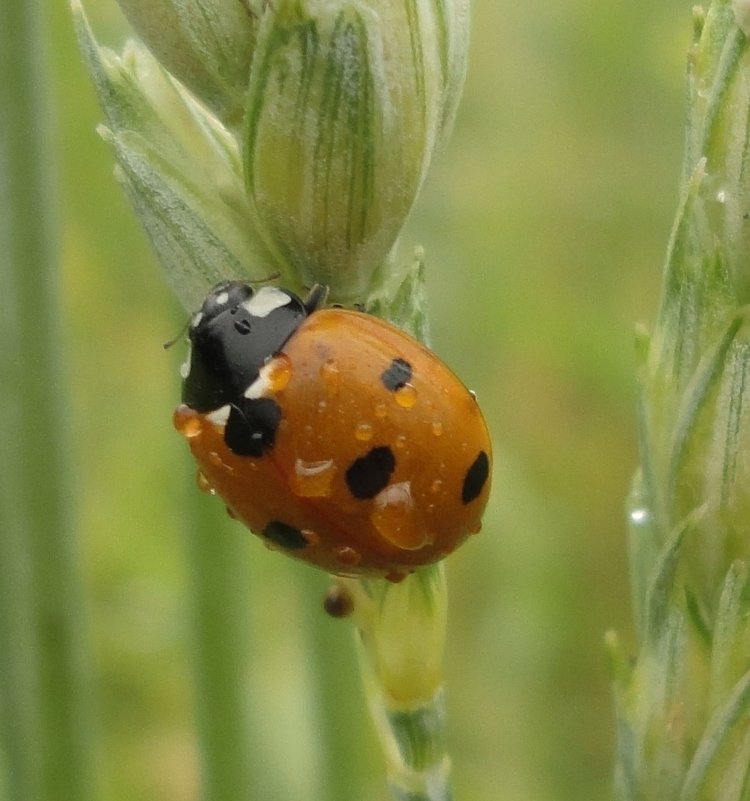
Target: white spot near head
(262, 384)
(219, 416)
(266, 300)
(185, 369)
(222, 298)
(196, 321)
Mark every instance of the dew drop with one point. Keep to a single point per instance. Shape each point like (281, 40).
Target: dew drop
(400, 441)
(312, 537)
(396, 518)
(279, 372)
(381, 410)
(437, 428)
(436, 486)
(406, 396)
(640, 516)
(187, 422)
(204, 485)
(312, 479)
(330, 376)
(338, 601)
(363, 432)
(348, 556)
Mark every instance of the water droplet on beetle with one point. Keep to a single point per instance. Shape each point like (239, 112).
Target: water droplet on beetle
(187, 422)
(436, 486)
(312, 537)
(437, 428)
(312, 479)
(396, 519)
(363, 432)
(406, 396)
(381, 410)
(347, 556)
(204, 485)
(338, 601)
(279, 372)
(330, 376)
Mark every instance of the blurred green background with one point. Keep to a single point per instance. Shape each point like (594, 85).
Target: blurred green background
(545, 222)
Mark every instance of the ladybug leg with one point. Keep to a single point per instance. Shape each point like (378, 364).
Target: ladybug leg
(315, 298)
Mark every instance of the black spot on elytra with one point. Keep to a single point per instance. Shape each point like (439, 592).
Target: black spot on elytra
(396, 375)
(475, 478)
(251, 427)
(369, 474)
(284, 535)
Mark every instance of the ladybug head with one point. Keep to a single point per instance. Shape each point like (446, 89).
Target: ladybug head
(232, 336)
(226, 294)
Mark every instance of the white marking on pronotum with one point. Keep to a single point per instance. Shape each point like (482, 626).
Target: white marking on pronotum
(185, 369)
(222, 298)
(266, 300)
(196, 321)
(262, 384)
(219, 416)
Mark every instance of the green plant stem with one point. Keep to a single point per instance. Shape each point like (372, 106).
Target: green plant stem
(218, 578)
(342, 759)
(400, 637)
(46, 731)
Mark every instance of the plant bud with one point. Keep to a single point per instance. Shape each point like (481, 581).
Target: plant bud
(347, 102)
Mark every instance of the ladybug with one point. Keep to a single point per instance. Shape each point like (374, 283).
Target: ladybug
(330, 433)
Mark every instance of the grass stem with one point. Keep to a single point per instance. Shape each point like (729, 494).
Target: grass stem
(46, 732)
(220, 640)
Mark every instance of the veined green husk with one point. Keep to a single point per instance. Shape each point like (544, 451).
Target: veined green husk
(347, 103)
(682, 709)
(305, 157)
